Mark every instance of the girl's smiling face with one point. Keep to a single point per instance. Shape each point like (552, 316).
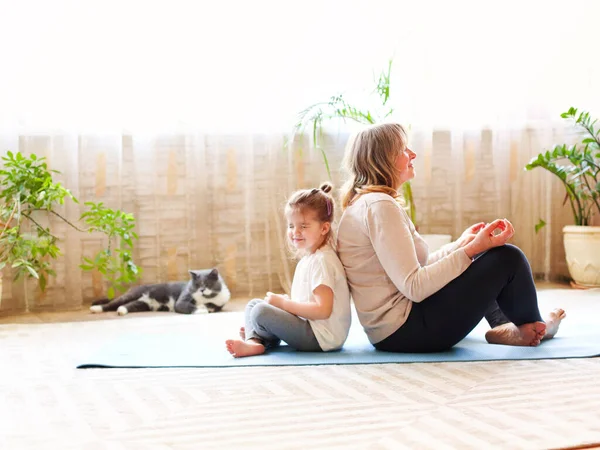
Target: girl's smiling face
(305, 231)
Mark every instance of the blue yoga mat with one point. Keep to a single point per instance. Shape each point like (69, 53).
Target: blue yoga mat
(199, 341)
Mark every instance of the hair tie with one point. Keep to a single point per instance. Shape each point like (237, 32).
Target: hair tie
(328, 201)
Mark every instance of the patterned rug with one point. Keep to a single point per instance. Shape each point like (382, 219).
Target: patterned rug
(47, 403)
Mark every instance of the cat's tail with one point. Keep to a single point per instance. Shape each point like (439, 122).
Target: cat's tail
(97, 305)
(101, 301)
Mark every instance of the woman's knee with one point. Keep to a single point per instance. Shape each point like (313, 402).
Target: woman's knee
(509, 255)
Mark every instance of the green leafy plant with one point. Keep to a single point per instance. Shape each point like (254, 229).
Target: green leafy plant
(116, 261)
(28, 197)
(339, 107)
(577, 167)
(28, 192)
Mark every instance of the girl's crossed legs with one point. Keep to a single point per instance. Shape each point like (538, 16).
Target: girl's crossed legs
(266, 326)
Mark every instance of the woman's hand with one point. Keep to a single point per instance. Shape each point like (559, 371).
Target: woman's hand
(487, 238)
(469, 234)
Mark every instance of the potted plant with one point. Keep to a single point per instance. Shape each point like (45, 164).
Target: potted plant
(338, 107)
(578, 168)
(28, 197)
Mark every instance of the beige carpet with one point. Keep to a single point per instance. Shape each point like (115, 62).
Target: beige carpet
(46, 403)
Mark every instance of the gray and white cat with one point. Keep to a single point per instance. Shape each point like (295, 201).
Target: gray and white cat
(205, 292)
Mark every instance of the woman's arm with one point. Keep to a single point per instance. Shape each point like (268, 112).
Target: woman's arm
(465, 238)
(390, 234)
(318, 310)
(441, 252)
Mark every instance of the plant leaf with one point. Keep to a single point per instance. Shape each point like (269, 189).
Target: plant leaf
(541, 224)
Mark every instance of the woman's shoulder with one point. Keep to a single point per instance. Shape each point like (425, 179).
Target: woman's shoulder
(385, 209)
(374, 197)
(374, 205)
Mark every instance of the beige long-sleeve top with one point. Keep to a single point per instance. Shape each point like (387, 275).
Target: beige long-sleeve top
(388, 264)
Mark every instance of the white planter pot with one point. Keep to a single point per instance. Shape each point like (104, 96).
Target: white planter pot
(582, 248)
(435, 241)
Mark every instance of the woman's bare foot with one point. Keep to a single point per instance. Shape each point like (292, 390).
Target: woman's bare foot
(527, 335)
(243, 333)
(553, 322)
(244, 348)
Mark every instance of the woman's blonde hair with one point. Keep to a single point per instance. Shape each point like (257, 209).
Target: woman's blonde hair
(317, 200)
(370, 160)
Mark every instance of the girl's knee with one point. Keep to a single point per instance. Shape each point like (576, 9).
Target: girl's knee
(260, 309)
(264, 316)
(252, 303)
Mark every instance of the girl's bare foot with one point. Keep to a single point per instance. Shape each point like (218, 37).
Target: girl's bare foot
(553, 322)
(527, 335)
(240, 348)
(243, 333)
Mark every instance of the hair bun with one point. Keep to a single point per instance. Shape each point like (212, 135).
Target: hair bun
(326, 187)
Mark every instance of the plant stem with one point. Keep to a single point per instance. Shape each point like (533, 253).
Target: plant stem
(589, 130)
(65, 220)
(591, 190)
(571, 194)
(12, 214)
(39, 226)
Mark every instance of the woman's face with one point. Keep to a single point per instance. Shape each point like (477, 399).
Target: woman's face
(404, 164)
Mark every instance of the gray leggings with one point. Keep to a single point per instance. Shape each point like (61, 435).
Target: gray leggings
(271, 325)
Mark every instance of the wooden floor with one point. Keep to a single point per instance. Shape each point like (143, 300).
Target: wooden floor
(235, 304)
(46, 403)
(84, 314)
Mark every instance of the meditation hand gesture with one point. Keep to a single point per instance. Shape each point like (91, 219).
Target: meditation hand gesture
(487, 238)
(469, 234)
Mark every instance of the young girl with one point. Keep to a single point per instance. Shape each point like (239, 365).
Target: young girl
(317, 316)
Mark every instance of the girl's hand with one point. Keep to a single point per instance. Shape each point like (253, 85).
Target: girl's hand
(319, 308)
(487, 238)
(275, 300)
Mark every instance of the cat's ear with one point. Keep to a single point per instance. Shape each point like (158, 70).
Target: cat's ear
(193, 274)
(214, 274)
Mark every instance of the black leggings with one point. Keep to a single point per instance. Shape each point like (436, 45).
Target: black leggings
(498, 285)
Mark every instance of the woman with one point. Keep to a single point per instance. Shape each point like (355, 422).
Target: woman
(408, 300)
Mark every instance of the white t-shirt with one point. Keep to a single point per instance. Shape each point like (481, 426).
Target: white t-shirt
(324, 267)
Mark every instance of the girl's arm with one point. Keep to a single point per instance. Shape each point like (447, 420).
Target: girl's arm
(318, 310)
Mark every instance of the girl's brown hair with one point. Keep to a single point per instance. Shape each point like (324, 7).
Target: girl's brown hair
(370, 159)
(317, 200)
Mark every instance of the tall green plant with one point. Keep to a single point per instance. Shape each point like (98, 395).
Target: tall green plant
(315, 116)
(26, 191)
(28, 197)
(115, 262)
(577, 167)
